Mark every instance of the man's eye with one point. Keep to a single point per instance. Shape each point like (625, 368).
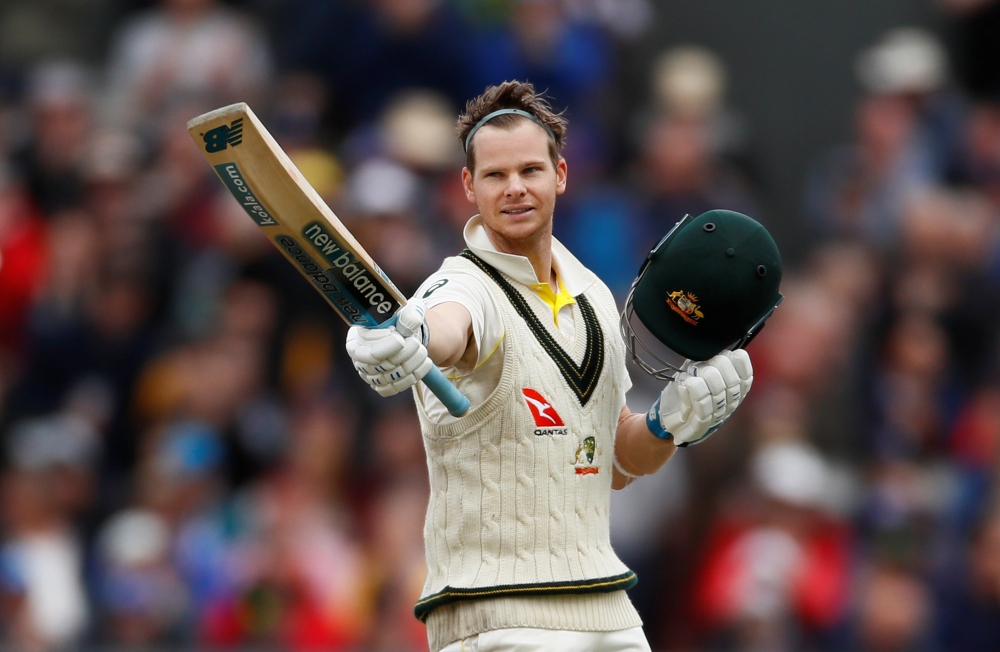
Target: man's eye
(531, 169)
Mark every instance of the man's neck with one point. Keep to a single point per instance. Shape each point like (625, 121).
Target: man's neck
(537, 250)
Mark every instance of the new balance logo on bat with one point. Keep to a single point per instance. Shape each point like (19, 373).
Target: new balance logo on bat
(222, 137)
(547, 420)
(358, 280)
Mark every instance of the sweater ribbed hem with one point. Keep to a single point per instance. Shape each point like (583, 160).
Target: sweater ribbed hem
(599, 612)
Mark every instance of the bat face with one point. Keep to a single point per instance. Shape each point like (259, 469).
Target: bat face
(294, 217)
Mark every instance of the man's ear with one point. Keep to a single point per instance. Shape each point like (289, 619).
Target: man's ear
(470, 194)
(561, 172)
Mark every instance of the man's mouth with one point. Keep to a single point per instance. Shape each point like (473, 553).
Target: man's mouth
(516, 211)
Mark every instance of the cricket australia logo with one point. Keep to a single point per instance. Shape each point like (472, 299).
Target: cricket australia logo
(686, 305)
(547, 420)
(223, 136)
(584, 463)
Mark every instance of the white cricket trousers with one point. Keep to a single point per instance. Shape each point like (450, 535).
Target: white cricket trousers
(524, 639)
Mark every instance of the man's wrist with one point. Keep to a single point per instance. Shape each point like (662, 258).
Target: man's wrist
(653, 422)
(618, 467)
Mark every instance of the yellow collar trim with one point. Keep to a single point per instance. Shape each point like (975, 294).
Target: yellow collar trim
(555, 300)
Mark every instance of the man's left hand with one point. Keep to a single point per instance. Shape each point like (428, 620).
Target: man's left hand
(699, 400)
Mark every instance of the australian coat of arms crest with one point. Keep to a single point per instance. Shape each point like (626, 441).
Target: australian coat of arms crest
(686, 305)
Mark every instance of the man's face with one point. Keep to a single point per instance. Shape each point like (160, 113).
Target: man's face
(515, 183)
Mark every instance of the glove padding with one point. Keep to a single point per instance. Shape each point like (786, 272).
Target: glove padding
(701, 398)
(389, 361)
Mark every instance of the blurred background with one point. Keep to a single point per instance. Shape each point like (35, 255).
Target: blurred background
(189, 460)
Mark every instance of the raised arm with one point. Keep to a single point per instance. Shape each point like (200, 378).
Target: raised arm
(637, 451)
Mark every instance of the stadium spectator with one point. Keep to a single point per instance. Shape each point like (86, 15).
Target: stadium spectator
(184, 51)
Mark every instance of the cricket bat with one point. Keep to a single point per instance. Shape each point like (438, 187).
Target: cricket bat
(298, 222)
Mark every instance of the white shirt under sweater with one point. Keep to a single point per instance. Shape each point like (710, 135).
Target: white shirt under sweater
(517, 530)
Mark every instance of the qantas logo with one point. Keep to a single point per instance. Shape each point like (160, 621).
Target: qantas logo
(544, 413)
(547, 420)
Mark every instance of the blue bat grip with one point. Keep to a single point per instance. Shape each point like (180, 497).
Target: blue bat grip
(454, 400)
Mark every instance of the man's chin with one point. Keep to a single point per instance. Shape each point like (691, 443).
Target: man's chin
(522, 231)
(519, 231)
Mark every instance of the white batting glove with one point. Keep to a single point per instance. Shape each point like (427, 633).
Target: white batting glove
(701, 398)
(392, 359)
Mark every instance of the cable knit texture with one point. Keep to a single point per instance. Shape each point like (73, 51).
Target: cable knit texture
(517, 530)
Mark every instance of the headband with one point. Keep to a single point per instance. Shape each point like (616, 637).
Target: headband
(523, 114)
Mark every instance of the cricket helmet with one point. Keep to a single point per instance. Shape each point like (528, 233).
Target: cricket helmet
(708, 285)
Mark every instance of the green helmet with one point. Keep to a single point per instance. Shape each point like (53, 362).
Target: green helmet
(708, 285)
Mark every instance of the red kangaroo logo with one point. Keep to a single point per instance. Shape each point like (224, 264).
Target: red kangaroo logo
(544, 414)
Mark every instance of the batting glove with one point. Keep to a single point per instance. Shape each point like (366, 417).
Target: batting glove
(701, 398)
(392, 359)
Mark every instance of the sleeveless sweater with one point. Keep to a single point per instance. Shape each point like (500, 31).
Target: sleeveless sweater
(517, 529)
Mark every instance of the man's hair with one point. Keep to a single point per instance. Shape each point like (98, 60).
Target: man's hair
(511, 95)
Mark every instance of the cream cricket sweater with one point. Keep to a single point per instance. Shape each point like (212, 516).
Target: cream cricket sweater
(517, 530)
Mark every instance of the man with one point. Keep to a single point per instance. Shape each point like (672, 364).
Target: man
(517, 530)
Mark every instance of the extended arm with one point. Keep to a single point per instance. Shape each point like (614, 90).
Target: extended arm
(391, 362)
(450, 329)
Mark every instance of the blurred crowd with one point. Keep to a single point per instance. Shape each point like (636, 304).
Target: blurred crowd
(188, 457)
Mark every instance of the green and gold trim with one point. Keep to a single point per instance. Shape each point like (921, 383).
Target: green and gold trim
(582, 379)
(450, 595)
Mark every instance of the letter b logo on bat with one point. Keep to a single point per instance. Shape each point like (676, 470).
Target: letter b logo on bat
(222, 137)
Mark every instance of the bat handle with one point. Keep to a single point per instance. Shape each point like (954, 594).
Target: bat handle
(454, 400)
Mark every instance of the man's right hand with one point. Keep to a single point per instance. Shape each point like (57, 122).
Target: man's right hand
(389, 362)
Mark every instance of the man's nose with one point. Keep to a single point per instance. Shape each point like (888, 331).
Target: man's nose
(515, 185)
